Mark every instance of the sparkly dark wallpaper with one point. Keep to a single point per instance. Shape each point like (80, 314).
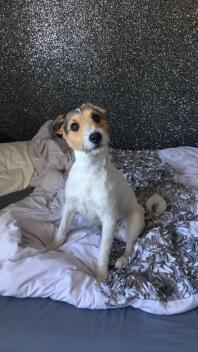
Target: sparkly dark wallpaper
(137, 58)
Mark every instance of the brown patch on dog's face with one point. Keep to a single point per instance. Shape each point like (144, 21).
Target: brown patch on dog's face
(58, 123)
(73, 131)
(78, 122)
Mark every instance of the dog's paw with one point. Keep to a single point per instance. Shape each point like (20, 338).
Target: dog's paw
(101, 276)
(121, 262)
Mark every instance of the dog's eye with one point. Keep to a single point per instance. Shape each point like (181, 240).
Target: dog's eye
(96, 118)
(74, 126)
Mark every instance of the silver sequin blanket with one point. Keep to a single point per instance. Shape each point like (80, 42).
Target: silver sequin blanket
(163, 265)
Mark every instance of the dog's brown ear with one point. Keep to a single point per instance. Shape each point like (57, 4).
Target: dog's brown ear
(95, 107)
(57, 125)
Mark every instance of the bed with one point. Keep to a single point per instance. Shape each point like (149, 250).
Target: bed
(43, 324)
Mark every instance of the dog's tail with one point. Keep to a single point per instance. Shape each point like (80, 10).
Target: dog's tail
(155, 206)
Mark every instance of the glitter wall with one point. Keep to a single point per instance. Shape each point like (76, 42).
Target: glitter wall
(137, 58)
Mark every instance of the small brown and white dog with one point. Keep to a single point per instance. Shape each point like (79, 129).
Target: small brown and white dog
(95, 188)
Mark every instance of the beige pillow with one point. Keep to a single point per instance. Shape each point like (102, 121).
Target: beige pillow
(16, 169)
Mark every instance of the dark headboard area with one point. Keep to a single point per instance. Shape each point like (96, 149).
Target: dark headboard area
(137, 58)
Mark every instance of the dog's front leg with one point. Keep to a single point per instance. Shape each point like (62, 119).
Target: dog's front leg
(61, 234)
(108, 225)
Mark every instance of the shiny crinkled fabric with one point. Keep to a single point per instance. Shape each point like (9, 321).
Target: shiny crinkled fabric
(163, 264)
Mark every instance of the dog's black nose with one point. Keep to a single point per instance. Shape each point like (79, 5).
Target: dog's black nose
(95, 137)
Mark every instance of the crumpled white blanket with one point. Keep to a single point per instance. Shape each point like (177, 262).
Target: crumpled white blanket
(28, 269)
(185, 161)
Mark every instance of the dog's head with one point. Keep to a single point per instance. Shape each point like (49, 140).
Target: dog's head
(84, 129)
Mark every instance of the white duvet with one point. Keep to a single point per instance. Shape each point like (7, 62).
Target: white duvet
(27, 269)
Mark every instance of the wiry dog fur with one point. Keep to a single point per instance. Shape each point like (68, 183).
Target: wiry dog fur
(95, 188)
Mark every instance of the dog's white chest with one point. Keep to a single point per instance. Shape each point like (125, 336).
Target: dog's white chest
(87, 193)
